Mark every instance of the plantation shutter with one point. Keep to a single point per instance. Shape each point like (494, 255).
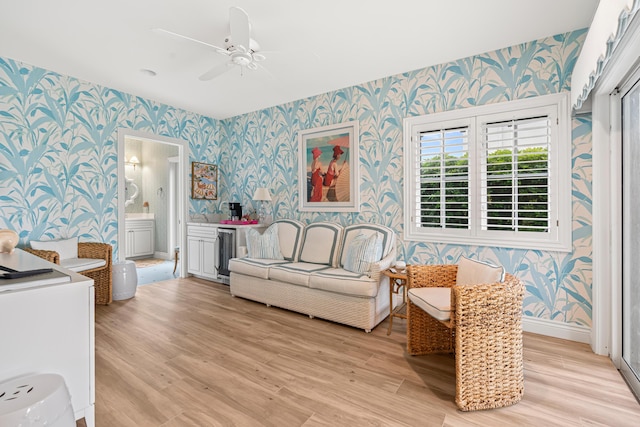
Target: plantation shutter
(443, 175)
(514, 164)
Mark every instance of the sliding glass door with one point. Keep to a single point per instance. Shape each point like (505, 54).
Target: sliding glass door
(630, 365)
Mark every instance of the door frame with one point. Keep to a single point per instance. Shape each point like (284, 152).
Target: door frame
(183, 171)
(606, 329)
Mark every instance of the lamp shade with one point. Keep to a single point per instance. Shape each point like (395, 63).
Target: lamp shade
(262, 194)
(134, 160)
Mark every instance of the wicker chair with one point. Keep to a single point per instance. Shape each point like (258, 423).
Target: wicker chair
(484, 331)
(101, 276)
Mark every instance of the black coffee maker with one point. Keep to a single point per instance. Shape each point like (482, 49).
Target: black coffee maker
(235, 211)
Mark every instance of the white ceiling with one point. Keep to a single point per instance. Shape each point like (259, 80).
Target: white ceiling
(311, 47)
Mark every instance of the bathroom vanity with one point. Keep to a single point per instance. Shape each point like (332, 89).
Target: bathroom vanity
(210, 246)
(140, 235)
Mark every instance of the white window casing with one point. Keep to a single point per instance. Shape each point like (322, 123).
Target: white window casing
(496, 175)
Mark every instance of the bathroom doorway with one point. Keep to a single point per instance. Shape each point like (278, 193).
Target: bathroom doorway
(162, 193)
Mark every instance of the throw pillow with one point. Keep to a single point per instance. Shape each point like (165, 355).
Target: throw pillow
(472, 272)
(362, 251)
(66, 248)
(265, 245)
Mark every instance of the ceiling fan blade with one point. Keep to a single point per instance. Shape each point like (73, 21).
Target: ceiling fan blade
(240, 31)
(189, 39)
(216, 71)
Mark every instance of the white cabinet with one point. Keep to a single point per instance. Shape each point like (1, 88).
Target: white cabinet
(210, 246)
(140, 237)
(50, 329)
(202, 251)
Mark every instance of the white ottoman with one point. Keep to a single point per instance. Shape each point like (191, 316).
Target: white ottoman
(125, 280)
(36, 400)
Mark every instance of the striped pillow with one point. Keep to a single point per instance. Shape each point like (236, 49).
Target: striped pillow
(362, 252)
(265, 245)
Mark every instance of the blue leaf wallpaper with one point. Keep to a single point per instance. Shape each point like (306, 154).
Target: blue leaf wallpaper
(260, 149)
(58, 156)
(58, 151)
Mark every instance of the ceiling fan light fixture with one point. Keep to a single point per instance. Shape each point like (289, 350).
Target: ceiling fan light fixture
(242, 59)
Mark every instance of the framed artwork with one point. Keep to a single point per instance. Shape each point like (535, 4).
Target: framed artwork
(328, 179)
(204, 181)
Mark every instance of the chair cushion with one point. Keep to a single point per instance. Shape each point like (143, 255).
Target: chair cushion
(435, 301)
(265, 245)
(82, 264)
(290, 233)
(321, 243)
(66, 248)
(344, 282)
(362, 251)
(253, 267)
(472, 272)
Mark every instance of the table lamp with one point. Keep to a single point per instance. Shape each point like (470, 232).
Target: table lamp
(262, 195)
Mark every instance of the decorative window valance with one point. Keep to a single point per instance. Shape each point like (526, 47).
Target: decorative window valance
(610, 22)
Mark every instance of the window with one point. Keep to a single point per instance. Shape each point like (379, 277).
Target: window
(497, 175)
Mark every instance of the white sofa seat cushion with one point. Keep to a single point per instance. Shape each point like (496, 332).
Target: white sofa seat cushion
(435, 301)
(344, 282)
(472, 272)
(82, 264)
(253, 267)
(296, 273)
(290, 234)
(321, 243)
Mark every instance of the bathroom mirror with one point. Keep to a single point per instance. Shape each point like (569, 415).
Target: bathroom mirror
(130, 191)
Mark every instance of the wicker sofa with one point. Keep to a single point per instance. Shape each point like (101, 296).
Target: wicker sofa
(92, 259)
(312, 278)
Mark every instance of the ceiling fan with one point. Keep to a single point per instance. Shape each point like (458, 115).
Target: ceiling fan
(241, 49)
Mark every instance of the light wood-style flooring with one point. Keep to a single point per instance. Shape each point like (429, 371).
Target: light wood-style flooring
(187, 353)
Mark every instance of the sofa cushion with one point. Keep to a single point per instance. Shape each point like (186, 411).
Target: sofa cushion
(321, 243)
(351, 231)
(296, 273)
(433, 300)
(82, 264)
(253, 267)
(265, 245)
(472, 272)
(344, 282)
(362, 251)
(290, 235)
(66, 248)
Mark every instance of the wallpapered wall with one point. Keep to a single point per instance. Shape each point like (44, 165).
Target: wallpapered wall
(58, 151)
(58, 161)
(261, 148)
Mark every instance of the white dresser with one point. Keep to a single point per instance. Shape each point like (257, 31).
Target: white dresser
(49, 328)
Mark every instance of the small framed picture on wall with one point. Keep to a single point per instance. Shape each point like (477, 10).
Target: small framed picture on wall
(204, 181)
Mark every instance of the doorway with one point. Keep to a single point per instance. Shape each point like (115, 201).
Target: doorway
(172, 194)
(630, 363)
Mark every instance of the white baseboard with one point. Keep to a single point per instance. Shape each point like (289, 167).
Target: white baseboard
(162, 255)
(550, 328)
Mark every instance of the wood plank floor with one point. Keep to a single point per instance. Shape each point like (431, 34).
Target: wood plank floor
(186, 353)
